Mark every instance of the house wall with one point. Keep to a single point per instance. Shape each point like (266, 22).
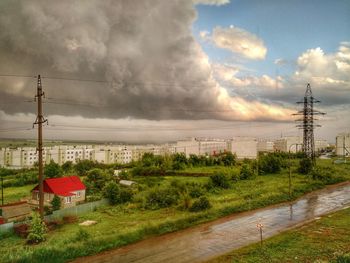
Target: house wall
(64, 204)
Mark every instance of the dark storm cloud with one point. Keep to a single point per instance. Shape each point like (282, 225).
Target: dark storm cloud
(144, 49)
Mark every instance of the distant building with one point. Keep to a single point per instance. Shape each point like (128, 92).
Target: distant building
(243, 147)
(69, 189)
(265, 146)
(342, 145)
(290, 143)
(295, 143)
(200, 146)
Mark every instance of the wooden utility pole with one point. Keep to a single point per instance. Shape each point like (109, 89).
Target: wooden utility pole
(39, 121)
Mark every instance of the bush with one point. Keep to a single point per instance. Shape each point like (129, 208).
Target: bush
(125, 196)
(56, 203)
(37, 230)
(220, 180)
(270, 163)
(161, 198)
(323, 174)
(112, 193)
(200, 204)
(305, 166)
(246, 172)
(96, 180)
(53, 170)
(195, 190)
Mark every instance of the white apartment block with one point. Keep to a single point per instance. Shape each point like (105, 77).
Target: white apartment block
(200, 146)
(266, 146)
(294, 144)
(290, 143)
(342, 144)
(243, 147)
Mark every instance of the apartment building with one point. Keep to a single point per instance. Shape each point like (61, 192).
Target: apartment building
(243, 147)
(342, 145)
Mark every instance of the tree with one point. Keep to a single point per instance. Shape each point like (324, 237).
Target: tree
(96, 179)
(270, 163)
(179, 161)
(56, 203)
(53, 170)
(112, 192)
(228, 159)
(37, 229)
(67, 166)
(83, 166)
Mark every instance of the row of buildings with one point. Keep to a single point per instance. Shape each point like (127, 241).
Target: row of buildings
(243, 147)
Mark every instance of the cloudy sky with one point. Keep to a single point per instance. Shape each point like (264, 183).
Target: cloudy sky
(161, 70)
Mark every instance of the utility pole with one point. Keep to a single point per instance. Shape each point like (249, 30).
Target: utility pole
(307, 123)
(39, 121)
(2, 190)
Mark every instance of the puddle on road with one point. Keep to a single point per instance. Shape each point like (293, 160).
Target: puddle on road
(221, 236)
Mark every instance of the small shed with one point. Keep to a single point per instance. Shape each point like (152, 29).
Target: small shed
(15, 211)
(127, 182)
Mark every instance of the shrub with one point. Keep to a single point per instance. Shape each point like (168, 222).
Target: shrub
(323, 174)
(246, 172)
(195, 190)
(56, 203)
(53, 170)
(270, 163)
(201, 204)
(305, 166)
(220, 180)
(125, 196)
(161, 198)
(37, 230)
(112, 193)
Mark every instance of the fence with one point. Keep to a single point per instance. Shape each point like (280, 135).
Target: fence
(59, 214)
(6, 227)
(76, 210)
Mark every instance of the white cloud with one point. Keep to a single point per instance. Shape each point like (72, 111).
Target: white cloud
(325, 70)
(212, 2)
(229, 73)
(239, 41)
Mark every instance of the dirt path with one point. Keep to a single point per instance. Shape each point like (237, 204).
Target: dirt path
(212, 239)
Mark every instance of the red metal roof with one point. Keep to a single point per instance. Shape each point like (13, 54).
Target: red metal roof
(63, 186)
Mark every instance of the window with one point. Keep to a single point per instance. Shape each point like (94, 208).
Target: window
(78, 194)
(68, 199)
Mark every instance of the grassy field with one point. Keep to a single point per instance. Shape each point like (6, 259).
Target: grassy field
(120, 225)
(14, 194)
(325, 240)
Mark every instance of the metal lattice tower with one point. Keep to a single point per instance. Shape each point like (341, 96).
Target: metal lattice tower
(307, 122)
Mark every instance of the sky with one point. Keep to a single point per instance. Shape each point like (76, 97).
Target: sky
(159, 71)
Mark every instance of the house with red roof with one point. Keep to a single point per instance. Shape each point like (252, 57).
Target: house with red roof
(69, 189)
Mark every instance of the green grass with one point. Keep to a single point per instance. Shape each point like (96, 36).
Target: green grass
(124, 224)
(326, 240)
(15, 194)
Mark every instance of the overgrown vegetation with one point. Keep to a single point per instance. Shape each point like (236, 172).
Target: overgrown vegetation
(37, 230)
(164, 201)
(325, 240)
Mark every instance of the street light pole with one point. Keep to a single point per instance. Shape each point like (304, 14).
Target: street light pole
(290, 167)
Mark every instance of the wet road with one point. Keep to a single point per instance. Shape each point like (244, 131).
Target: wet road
(223, 235)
